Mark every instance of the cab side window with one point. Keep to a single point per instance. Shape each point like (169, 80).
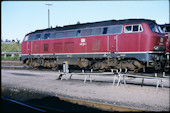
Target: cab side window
(31, 37)
(128, 29)
(26, 38)
(133, 28)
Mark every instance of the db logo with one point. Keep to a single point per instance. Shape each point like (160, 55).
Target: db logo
(83, 42)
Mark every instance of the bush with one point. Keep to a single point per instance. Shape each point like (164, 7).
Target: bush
(10, 47)
(16, 57)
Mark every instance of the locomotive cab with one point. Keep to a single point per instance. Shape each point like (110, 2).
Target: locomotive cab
(24, 47)
(159, 38)
(158, 44)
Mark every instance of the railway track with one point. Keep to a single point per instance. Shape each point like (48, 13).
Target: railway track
(45, 103)
(13, 104)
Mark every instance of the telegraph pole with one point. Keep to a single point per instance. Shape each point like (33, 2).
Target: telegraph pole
(49, 14)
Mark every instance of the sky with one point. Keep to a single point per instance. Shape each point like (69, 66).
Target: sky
(21, 17)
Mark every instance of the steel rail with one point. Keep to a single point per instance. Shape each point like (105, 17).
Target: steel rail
(102, 106)
(97, 105)
(22, 104)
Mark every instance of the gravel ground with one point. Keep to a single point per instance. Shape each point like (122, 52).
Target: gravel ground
(100, 90)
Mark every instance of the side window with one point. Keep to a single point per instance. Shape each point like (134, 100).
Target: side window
(37, 37)
(52, 35)
(31, 37)
(128, 29)
(70, 33)
(86, 32)
(26, 38)
(96, 31)
(135, 28)
(117, 29)
(47, 36)
(78, 33)
(104, 30)
(152, 27)
(59, 35)
(140, 28)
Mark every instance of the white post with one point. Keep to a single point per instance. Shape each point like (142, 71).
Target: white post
(5, 56)
(12, 55)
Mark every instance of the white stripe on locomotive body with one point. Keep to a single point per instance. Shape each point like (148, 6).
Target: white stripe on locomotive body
(138, 52)
(68, 53)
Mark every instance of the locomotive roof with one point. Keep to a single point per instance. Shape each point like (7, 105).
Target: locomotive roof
(165, 25)
(96, 24)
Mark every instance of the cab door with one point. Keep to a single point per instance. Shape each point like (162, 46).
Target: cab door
(113, 41)
(131, 38)
(30, 44)
(29, 47)
(24, 45)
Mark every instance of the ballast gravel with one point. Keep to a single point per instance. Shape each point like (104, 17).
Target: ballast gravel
(100, 89)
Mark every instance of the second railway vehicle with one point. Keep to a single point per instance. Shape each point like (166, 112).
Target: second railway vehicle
(166, 29)
(136, 44)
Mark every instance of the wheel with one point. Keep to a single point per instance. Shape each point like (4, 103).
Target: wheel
(166, 70)
(102, 70)
(157, 65)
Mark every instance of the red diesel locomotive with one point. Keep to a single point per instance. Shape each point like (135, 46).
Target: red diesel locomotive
(136, 44)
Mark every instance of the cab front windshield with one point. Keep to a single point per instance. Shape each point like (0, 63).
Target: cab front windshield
(155, 28)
